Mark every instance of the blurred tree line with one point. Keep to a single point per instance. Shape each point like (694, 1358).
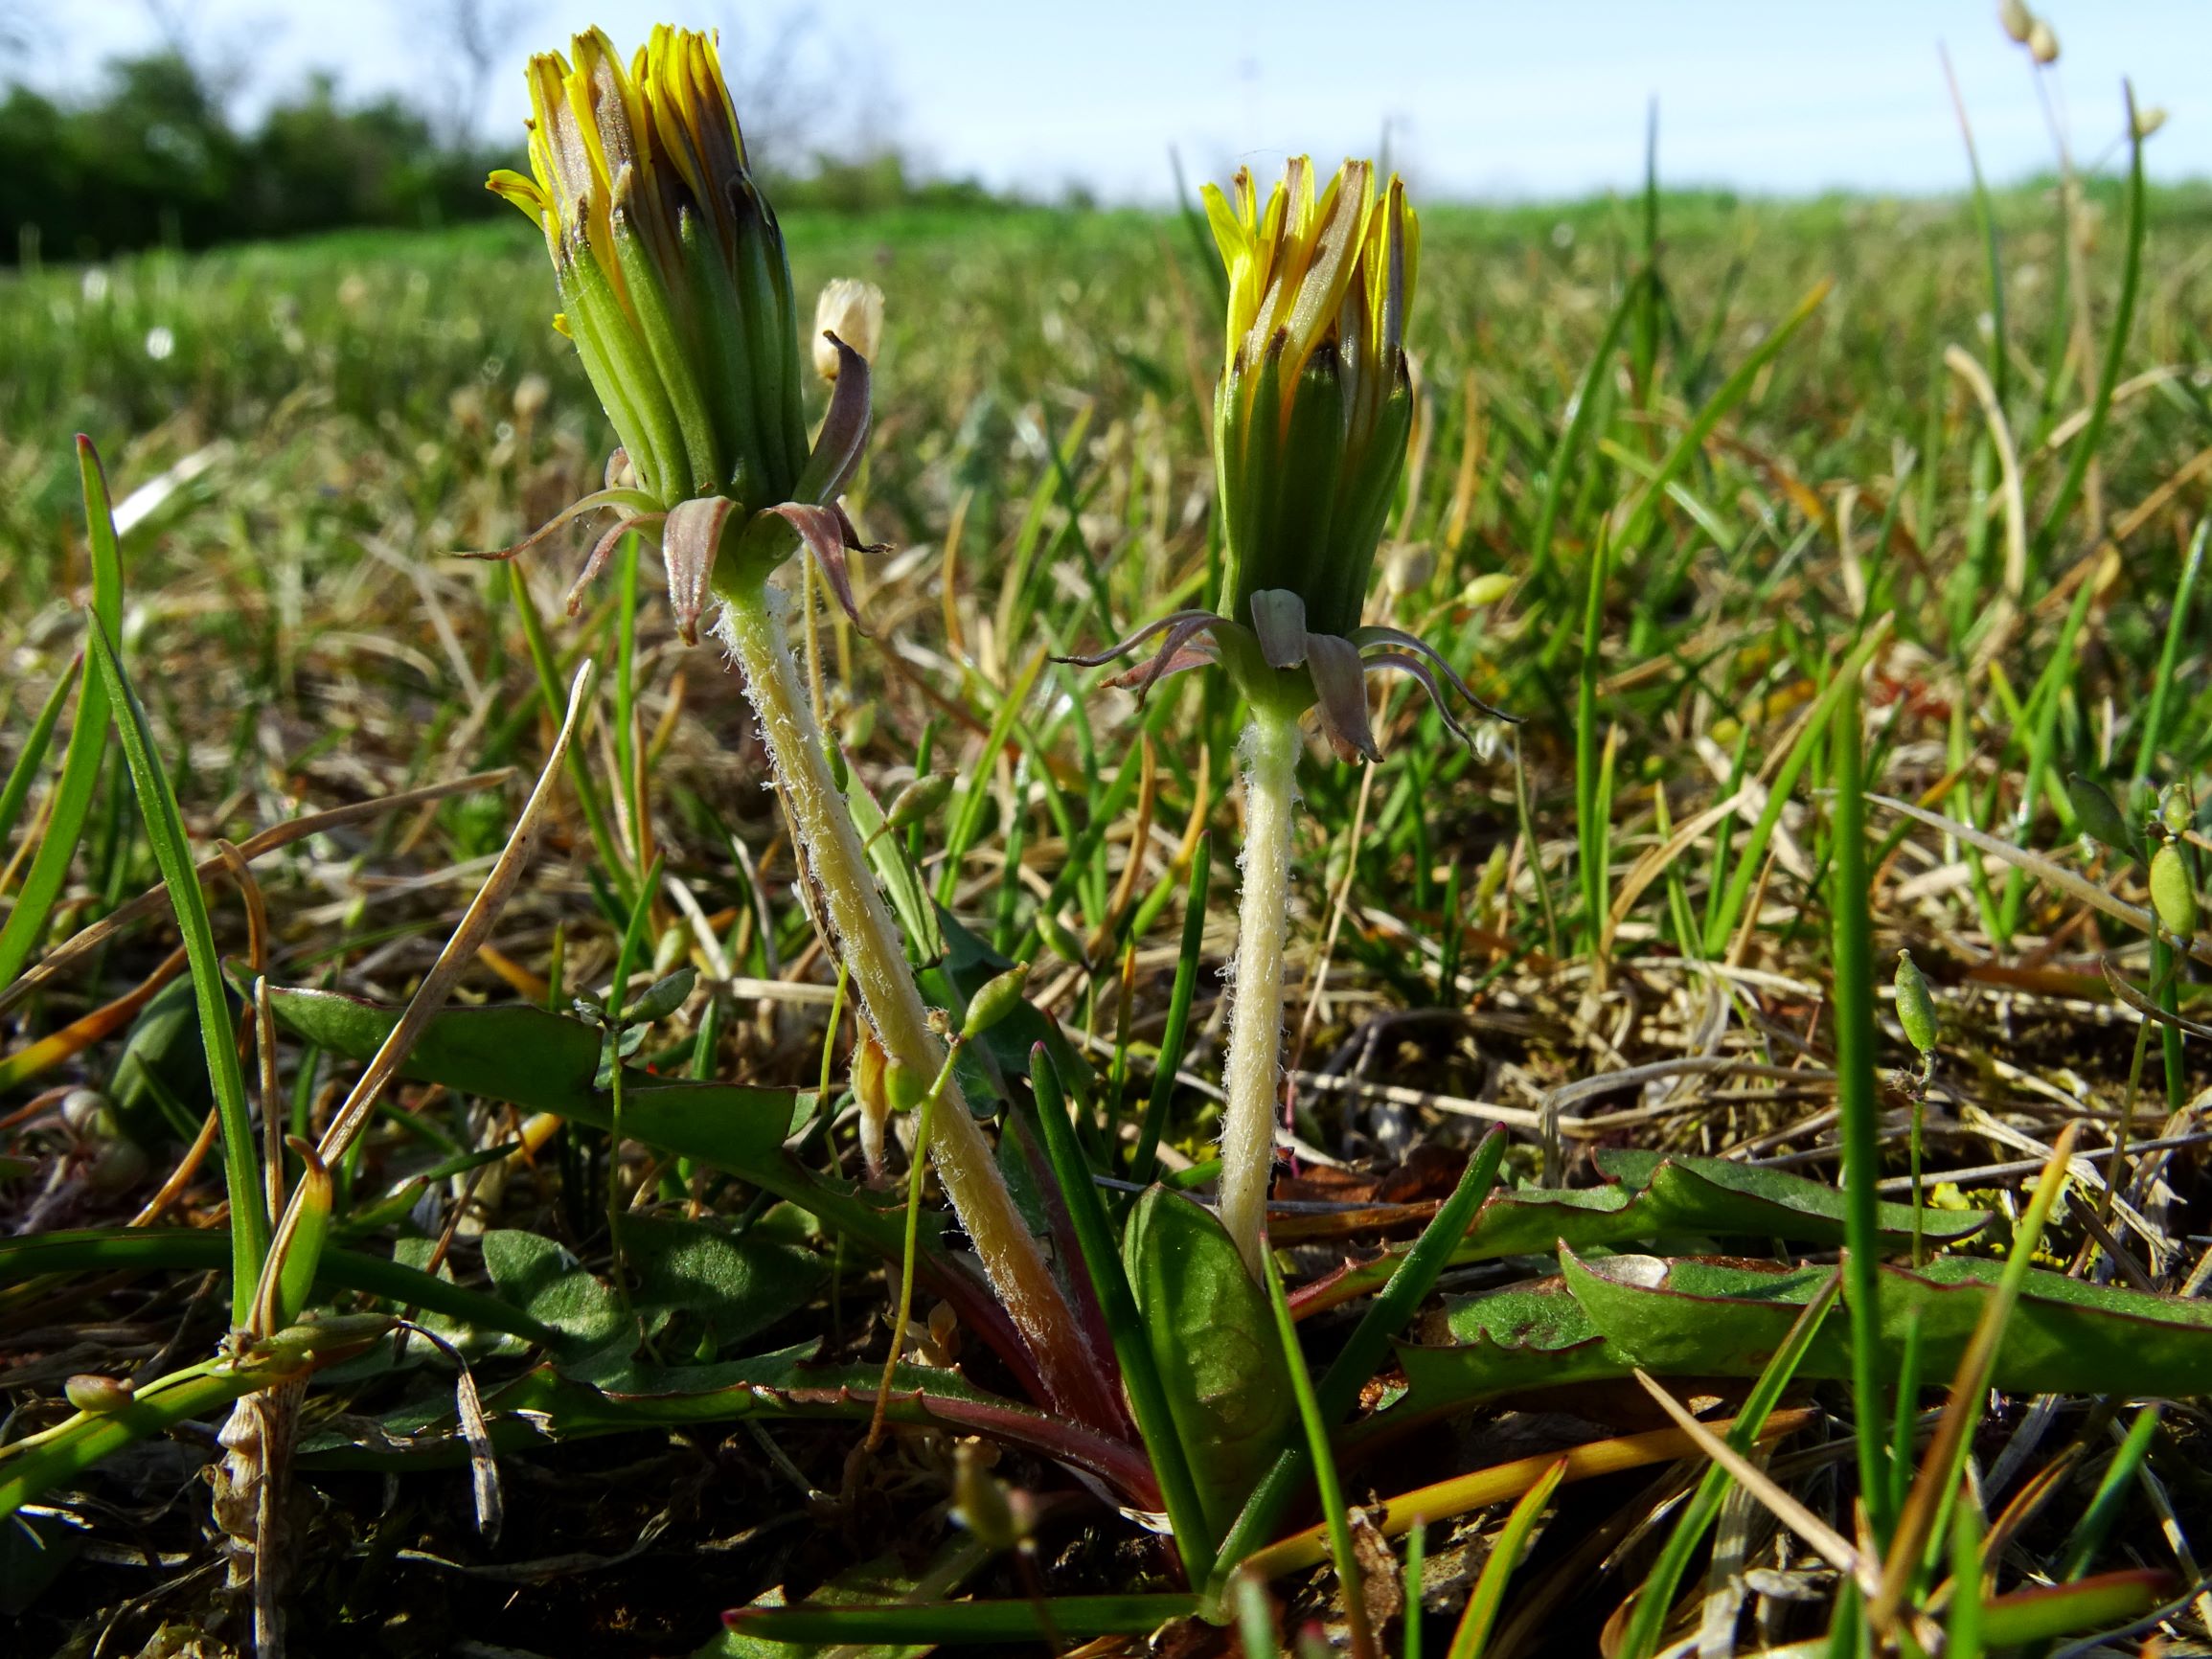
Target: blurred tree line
(154, 156)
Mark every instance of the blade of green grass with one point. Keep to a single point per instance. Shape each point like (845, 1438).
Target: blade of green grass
(1963, 1627)
(2153, 728)
(1732, 391)
(1590, 825)
(1351, 1585)
(1946, 1454)
(1471, 1640)
(87, 747)
(249, 1222)
(1853, 948)
(32, 756)
(2096, 1523)
(2045, 704)
(204, 1250)
(1069, 1617)
(1722, 922)
(1572, 434)
(555, 701)
(2086, 446)
(1144, 1163)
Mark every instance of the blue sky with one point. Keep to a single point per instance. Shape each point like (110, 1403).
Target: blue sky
(1480, 99)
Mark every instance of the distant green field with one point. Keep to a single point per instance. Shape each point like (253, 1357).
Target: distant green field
(156, 353)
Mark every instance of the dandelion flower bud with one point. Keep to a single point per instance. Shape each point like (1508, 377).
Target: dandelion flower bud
(2042, 42)
(1315, 400)
(671, 268)
(2172, 896)
(852, 310)
(1915, 1005)
(2018, 21)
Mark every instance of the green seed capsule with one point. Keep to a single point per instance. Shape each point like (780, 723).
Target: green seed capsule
(903, 1086)
(2176, 809)
(998, 998)
(663, 997)
(857, 723)
(97, 1396)
(2099, 817)
(2172, 896)
(918, 801)
(1915, 1004)
(1064, 945)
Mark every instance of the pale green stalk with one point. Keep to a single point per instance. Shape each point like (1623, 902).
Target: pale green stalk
(1270, 750)
(875, 956)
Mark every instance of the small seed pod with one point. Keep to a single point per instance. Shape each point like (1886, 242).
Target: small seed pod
(1487, 589)
(86, 1113)
(1915, 1004)
(119, 1166)
(2018, 21)
(858, 725)
(998, 998)
(1064, 943)
(2150, 119)
(2042, 42)
(670, 948)
(981, 1501)
(2176, 809)
(903, 1086)
(1408, 567)
(918, 801)
(97, 1396)
(2172, 896)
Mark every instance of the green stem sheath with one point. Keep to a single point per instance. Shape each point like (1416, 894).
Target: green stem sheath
(872, 951)
(1271, 750)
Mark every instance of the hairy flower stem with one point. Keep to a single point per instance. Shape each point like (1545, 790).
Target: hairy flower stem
(869, 943)
(1270, 749)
